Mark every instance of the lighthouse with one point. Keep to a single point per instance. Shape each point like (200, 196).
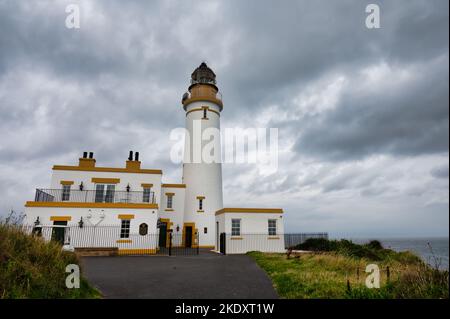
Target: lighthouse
(202, 176)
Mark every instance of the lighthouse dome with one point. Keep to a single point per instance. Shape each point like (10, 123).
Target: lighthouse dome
(204, 75)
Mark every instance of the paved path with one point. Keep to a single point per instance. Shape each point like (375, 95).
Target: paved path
(208, 275)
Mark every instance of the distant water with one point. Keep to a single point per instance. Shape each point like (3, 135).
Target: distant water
(419, 246)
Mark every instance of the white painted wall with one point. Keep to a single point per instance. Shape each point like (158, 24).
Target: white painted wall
(176, 215)
(254, 232)
(102, 236)
(202, 179)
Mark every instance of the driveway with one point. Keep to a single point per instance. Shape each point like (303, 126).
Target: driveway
(208, 275)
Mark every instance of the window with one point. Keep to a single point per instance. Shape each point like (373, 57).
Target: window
(125, 228)
(205, 230)
(272, 227)
(65, 193)
(146, 195)
(200, 204)
(235, 227)
(104, 193)
(143, 229)
(169, 200)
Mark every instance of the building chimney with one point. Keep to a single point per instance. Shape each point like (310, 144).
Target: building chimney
(87, 162)
(133, 165)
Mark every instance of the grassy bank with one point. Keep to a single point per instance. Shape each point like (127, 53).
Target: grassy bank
(336, 269)
(33, 268)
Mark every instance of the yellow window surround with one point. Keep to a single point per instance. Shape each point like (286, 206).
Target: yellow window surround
(126, 216)
(170, 194)
(61, 218)
(168, 210)
(100, 180)
(66, 182)
(124, 241)
(200, 197)
(147, 185)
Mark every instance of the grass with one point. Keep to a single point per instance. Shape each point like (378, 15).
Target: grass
(33, 268)
(339, 272)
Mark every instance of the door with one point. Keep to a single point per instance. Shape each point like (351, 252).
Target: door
(217, 236)
(58, 232)
(188, 236)
(163, 235)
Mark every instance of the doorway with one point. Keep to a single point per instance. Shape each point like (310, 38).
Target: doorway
(163, 234)
(188, 236)
(58, 233)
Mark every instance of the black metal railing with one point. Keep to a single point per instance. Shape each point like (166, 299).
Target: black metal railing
(94, 196)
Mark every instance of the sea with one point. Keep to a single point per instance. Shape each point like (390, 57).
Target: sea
(434, 251)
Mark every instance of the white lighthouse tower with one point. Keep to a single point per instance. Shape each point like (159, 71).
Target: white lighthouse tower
(202, 177)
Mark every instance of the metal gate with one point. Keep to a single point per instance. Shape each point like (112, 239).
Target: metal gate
(179, 244)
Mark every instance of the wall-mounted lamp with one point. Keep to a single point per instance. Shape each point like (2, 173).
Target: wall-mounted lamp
(37, 222)
(81, 186)
(178, 228)
(81, 223)
(128, 187)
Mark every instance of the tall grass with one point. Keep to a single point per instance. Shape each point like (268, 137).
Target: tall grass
(33, 268)
(336, 269)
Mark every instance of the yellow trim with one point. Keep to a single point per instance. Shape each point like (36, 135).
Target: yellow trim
(100, 180)
(147, 185)
(91, 205)
(170, 194)
(137, 251)
(174, 185)
(236, 238)
(106, 169)
(125, 216)
(203, 98)
(200, 211)
(168, 210)
(124, 241)
(200, 197)
(273, 237)
(86, 162)
(250, 210)
(61, 218)
(134, 165)
(66, 182)
(209, 247)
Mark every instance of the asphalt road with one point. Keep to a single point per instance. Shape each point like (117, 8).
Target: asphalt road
(208, 275)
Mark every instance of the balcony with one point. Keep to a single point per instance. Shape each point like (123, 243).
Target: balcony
(94, 196)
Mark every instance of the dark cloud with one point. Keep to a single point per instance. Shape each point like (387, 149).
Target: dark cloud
(362, 114)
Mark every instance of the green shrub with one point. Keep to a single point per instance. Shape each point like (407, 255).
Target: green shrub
(33, 268)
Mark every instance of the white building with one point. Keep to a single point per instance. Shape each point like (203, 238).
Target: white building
(138, 203)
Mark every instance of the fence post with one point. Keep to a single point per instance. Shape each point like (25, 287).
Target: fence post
(357, 274)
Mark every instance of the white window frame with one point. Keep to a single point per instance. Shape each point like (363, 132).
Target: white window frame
(106, 188)
(169, 201)
(146, 194)
(236, 230)
(272, 230)
(125, 225)
(65, 195)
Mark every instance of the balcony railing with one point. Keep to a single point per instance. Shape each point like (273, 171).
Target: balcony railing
(94, 196)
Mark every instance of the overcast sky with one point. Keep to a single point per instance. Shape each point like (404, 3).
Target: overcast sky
(362, 113)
